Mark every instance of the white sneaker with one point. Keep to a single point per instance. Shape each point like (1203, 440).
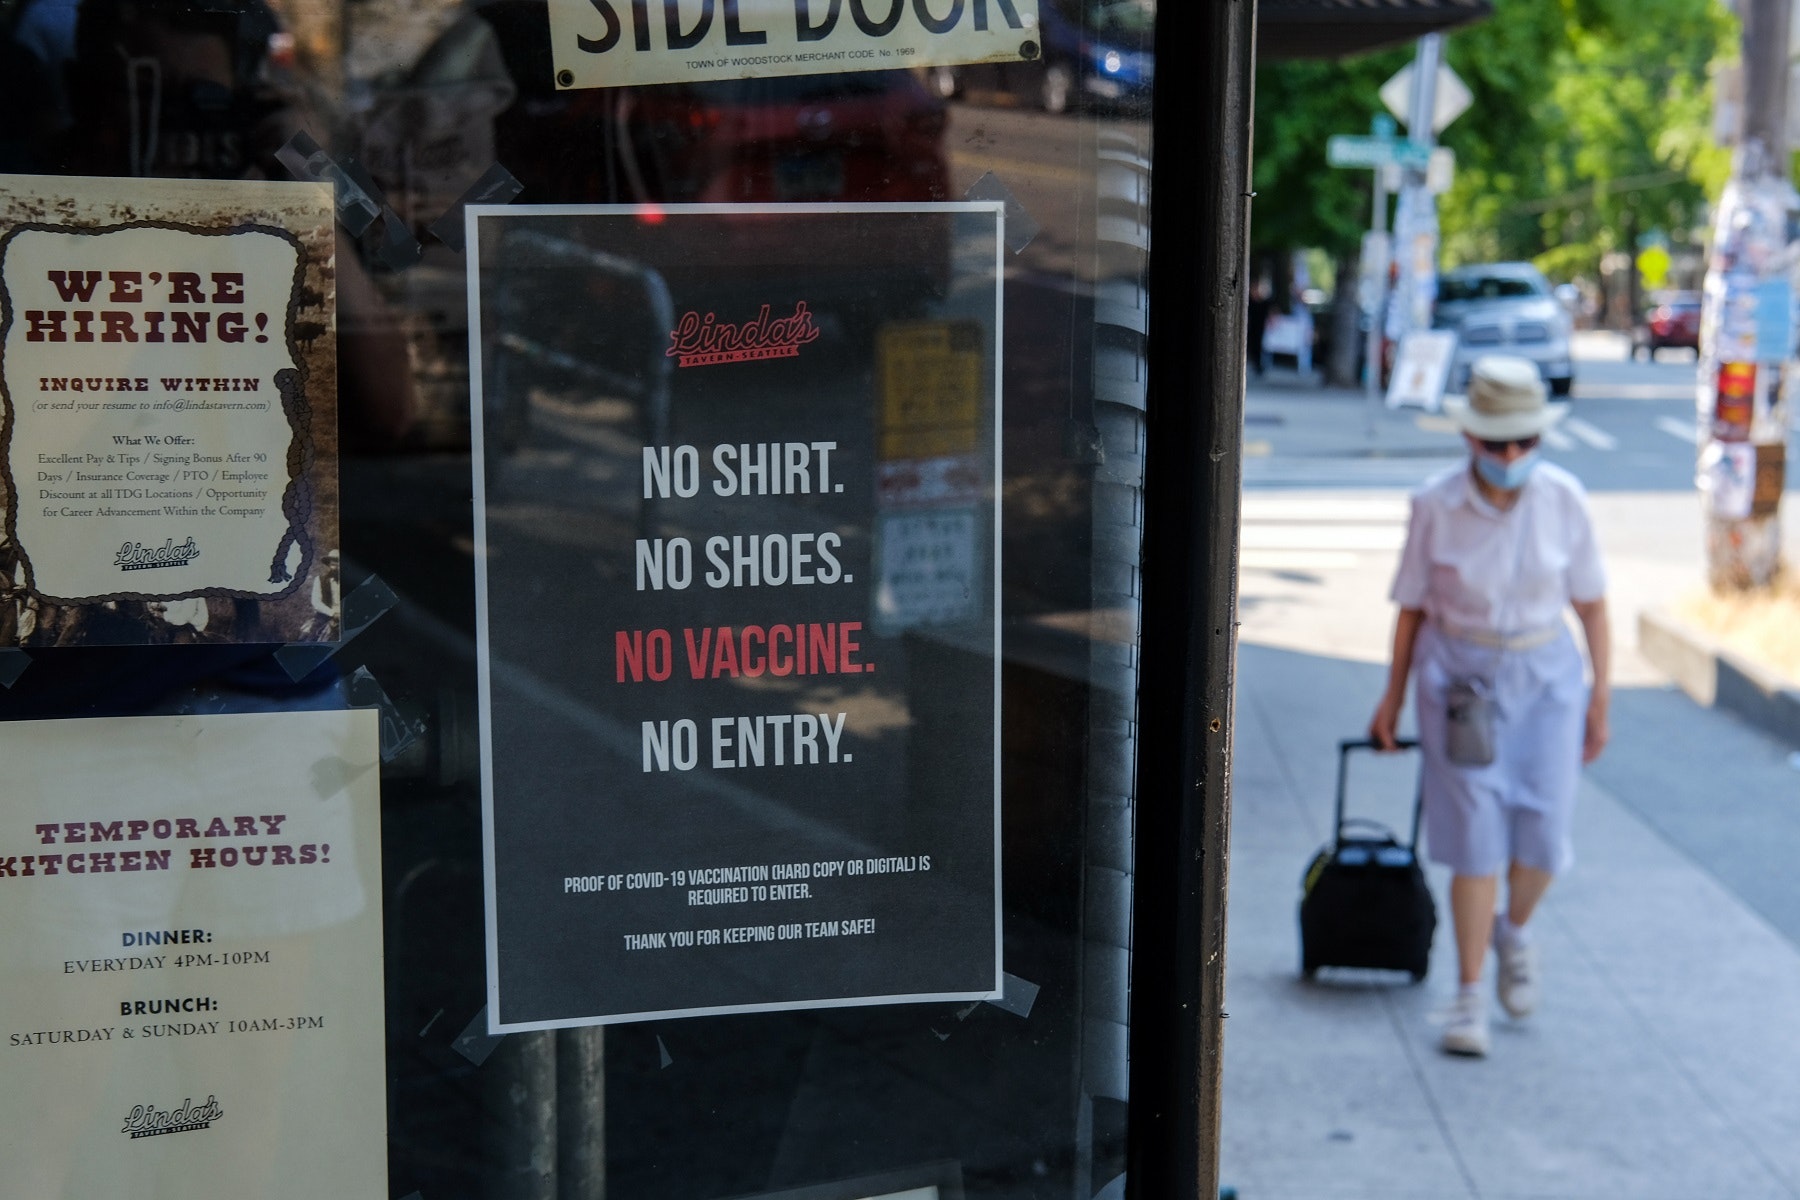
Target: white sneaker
(1466, 1025)
(1517, 980)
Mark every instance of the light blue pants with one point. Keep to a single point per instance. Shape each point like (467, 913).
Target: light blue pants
(1520, 806)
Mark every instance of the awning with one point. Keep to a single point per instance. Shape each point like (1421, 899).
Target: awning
(1341, 28)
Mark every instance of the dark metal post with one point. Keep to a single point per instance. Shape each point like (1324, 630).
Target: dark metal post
(581, 1113)
(1199, 238)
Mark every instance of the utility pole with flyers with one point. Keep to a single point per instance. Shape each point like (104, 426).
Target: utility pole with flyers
(1747, 328)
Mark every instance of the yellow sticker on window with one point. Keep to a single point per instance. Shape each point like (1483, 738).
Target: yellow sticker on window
(931, 388)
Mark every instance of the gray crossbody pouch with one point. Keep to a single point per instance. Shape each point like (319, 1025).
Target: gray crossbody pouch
(1469, 703)
(1469, 711)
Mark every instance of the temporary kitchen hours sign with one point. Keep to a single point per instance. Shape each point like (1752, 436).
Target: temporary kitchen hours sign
(741, 750)
(614, 43)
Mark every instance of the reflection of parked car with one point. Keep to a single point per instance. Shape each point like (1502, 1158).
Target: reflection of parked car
(1095, 50)
(1505, 308)
(1673, 321)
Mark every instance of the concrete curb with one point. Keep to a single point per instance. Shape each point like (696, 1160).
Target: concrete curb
(1717, 678)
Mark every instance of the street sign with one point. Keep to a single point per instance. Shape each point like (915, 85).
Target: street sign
(1653, 264)
(1452, 100)
(1347, 150)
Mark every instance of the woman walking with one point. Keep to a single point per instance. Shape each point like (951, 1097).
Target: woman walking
(1497, 550)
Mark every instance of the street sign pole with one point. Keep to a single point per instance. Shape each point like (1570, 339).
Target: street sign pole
(1415, 232)
(1377, 246)
(1380, 150)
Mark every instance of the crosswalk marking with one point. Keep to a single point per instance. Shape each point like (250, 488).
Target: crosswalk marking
(1684, 430)
(1269, 506)
(1268, 469)
(1285, 532)
(1308, 472)
(1322, 537)
(1599, 439)
(1296, 560)
(1634, 391)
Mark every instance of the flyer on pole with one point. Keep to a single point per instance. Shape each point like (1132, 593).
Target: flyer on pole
(168, 412)
(737, 491)
(190, 915)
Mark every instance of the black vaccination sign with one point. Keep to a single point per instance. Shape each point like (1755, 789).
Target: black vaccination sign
(741, 741)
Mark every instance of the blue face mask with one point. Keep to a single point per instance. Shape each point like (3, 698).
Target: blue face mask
(1508, 477)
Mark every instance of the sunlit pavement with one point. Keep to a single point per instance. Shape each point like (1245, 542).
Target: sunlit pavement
(1662, 1061)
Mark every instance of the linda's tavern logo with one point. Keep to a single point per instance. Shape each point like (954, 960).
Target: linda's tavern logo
(135, 556)
(149, 1121)
(698, 341)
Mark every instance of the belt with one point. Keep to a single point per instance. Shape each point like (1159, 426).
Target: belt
(1529, 639)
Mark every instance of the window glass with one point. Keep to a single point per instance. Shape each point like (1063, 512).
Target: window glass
(923, 286)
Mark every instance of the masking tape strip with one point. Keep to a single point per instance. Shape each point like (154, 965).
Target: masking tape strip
(357, 203)
(1021, 227)
(13, 662)
(1016, 995)
(497, 185)
(475, 1043)
(397, 730)
(394, 245)
(362, 608)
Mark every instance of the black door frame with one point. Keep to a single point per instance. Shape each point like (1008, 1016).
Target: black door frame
(1199, 231)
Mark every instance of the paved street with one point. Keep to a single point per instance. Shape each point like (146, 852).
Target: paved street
(1659, 1065)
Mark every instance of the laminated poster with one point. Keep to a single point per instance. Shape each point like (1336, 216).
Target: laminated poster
(168, 412)
(738, 518)
(190, 918)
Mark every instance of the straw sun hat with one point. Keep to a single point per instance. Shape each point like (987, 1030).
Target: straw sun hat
(1505, 400)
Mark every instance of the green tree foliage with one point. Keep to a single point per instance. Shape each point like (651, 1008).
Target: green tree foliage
(1590, 126)
(1300, 201)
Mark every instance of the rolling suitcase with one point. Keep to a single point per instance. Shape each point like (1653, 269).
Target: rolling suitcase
(1364, 900)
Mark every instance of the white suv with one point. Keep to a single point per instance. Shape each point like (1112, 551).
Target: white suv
(1505, 308)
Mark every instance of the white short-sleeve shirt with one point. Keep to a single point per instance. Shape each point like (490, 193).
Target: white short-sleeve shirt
(1472, 566)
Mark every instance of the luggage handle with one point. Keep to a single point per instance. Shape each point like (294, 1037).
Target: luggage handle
(1344, 749)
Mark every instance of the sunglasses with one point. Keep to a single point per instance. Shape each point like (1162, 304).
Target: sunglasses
(1499, 447)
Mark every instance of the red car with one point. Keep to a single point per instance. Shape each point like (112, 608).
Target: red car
(1675, 321)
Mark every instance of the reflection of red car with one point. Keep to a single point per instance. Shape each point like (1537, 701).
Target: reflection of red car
(485, 91)
(860, 136)
(1674, 322)
(874, 136)
(867, 136)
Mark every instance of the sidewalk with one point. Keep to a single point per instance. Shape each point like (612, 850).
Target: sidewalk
(1664, 1062)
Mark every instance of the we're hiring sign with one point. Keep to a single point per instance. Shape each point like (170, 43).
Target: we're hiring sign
(614, 43)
